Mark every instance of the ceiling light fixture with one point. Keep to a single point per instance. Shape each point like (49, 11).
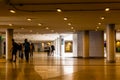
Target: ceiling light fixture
(107, 9)
(39, 24)
(59, 10)
(96, 30)
(30, 30)
(99, 23)
(46, 28)
(69, 24)
(102, 18)
(29, 19)
(10, 24)
(52, 30)
(97, 27)
(37, 32)
(22, 28)
(65, 18)
(72, 27)
(12, 11)
(73, 30)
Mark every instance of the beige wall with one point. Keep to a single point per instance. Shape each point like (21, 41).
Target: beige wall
(96, 44)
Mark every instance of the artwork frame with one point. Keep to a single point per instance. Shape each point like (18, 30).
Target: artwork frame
(68, 46)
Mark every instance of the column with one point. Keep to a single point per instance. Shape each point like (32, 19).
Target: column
(81, 44)
(9, 37)
(85, 44)
(61, 45)
(0, 46)
(76, 53)
(110, 42)
(96, 44)
(58, 46)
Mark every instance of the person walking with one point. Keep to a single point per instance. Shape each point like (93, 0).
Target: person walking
(52, 50)
(14, 50)
(31, 49)
(26, 49)
(48, 50)
(21, 50)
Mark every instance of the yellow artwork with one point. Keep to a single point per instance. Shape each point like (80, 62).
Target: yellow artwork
(68, 46)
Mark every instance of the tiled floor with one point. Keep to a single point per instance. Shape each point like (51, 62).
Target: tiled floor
(41, 67)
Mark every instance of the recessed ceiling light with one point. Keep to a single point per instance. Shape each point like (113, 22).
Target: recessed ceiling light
(10, 24)
(69, 24)
(73, 30)
(96, 30)
(37, 32)
(30, 30)
(12, 11)
(59, 10)
(39, 24)
(102, 18)
(52, 30)
(97, 27)
(72, 27)
(46, 28)
(107, 9)
(65, 18)
(99, 23)
(29, 19)
(22, 28)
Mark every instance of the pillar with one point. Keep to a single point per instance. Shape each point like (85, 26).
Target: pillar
(9, 37)
(0, 46)
(110, 42)
(96, 44)
(85, 44)
(81, 44)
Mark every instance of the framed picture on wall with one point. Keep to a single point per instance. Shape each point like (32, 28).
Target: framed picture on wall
(68, 46)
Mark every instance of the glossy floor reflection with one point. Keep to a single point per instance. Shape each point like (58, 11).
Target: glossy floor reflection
(41, 67)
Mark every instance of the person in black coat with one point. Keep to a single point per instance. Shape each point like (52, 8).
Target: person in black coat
(52, 50)
(26, 49)
(14, 50)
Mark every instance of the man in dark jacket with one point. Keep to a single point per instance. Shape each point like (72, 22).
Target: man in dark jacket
(14, 49)
(26, 49)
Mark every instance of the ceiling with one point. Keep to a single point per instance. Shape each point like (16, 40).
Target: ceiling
(82, 14)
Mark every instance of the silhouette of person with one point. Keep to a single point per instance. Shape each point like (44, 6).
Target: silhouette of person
(4, 48)
(52, 50)
(26, 49)
(31, 49)
(14, 50)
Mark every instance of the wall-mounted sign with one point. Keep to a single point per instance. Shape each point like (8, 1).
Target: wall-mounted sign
(68, 46)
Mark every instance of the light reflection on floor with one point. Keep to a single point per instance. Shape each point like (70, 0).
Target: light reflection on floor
(41, 67)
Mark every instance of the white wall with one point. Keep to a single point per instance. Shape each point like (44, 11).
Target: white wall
(68, 37)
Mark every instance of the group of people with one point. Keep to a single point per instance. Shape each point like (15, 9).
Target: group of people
(50, 50)
(21, 48)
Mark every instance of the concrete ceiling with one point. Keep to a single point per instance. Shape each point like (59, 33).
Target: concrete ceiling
(82, 14)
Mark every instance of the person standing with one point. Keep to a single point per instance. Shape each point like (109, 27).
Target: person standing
(48, 50)
(14, 50)
(26, 49)
(31, 49)
(4, 47)
(21, 50)
(52, 50)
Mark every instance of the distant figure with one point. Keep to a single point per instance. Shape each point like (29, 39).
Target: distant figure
(48, 50)
(26, 49)
(52, 50)
(14, 50)
(31, 49)
(21, 50)
(4, 48)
